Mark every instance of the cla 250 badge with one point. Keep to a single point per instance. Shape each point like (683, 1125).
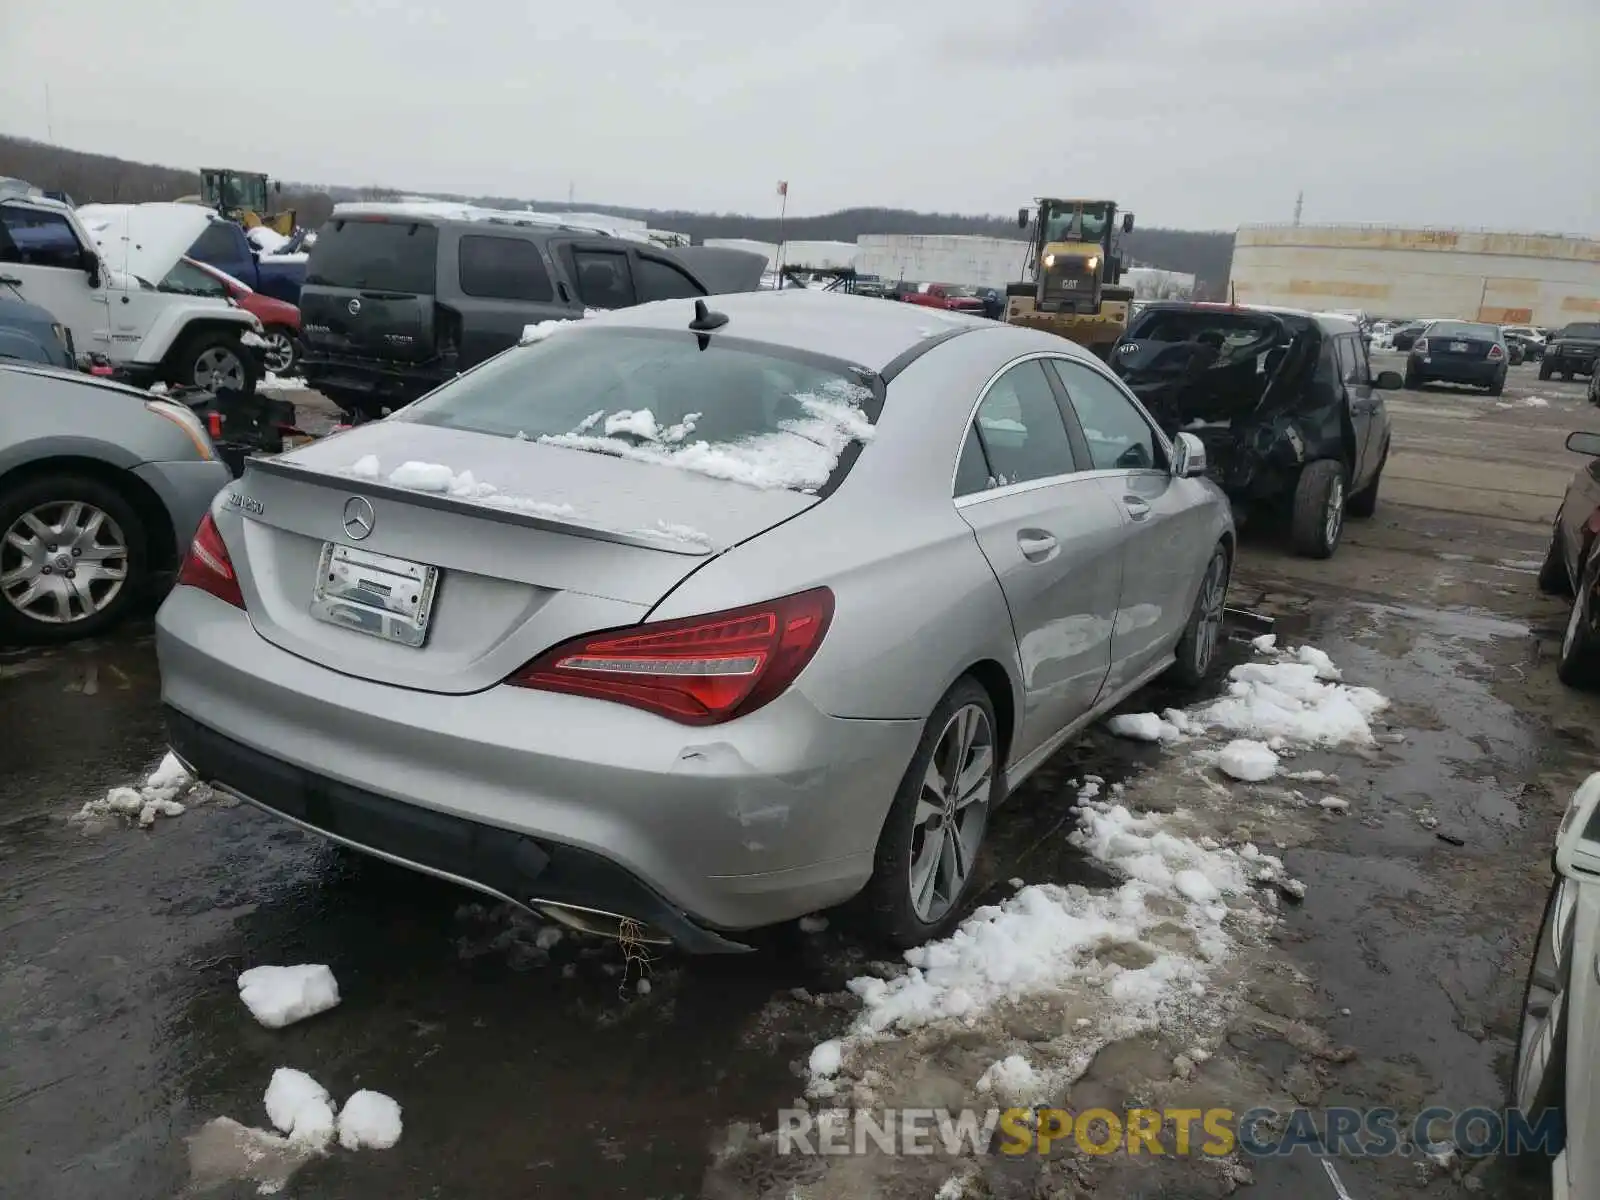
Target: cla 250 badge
(249, 505)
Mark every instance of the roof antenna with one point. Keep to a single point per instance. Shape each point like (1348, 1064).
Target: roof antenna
(705, 320)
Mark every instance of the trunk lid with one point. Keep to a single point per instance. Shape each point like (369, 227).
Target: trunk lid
(369, 289)
(1465, 349)
(532, 544)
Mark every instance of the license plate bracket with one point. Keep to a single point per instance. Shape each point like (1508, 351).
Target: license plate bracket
(377, 594)
(1458, 347)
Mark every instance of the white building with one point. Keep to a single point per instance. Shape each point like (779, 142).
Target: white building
(1474, 275)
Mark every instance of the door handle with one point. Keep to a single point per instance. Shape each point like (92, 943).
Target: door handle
(1137, 508)
(1036, 545)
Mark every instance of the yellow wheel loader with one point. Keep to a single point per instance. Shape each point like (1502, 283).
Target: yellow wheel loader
(242, 196)
(1076, 269)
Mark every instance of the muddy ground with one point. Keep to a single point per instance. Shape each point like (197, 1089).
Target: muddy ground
(527, 1070)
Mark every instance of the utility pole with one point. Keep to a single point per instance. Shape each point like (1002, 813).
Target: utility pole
(49, 117)
(783, 212)
(572, 190)
(1299, 203)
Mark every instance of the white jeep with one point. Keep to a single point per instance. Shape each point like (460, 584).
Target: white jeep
(103, 270)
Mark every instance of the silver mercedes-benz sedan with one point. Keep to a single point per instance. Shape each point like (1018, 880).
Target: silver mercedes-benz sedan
(675, 622)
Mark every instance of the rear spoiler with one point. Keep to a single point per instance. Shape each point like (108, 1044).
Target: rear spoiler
(724, 269)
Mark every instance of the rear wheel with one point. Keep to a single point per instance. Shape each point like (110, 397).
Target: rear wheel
(1498, 387)
(1413, 379)
(1579, 665)
(1202, 636)
(1545, 370)
(1538, 1076)
(72, 558)
(927, 853)
(1318, 518)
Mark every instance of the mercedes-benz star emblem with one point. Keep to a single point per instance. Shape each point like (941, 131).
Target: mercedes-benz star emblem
(354, 306)
(358, 518)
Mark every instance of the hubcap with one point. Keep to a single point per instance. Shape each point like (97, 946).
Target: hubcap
(1335, 514)
(279, 353)
(952, 809)
(218, 368)
(1213, 599)
(62, 562)
(1546, 998)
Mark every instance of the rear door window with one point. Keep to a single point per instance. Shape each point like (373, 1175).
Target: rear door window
(602, 277)
(379, 256)
(1352, 360)
(1023, 435)
(216, 244)
(503, 268)
(972, 470)
(656, 279)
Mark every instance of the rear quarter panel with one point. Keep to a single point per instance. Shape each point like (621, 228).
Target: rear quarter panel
(916, 603)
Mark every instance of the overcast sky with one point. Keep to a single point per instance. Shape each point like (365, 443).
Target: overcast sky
(1192, 113)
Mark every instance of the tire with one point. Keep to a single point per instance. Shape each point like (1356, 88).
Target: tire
(1553, 577)
(1317, 521)
(1365, 502)
(1413, 380)
(283, 354)
(1544, 369)
(28, 615)
(1498, 387)
(1544, 1000)
(199, 358)
(895, 914)
(1202, 636)
(1579, 664)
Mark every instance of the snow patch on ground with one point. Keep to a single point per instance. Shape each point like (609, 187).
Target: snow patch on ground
(1298, 700)
(1012, 1082)
(1144, 727)
(1247, 760)
(300, 1107)
(166, 792)
(369, 1121)
(279, 996)
(281, 383)
(800, 454)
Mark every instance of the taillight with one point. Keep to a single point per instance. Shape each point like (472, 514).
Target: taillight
(1496, 351)
(1420, 346)
(208, 567)
(696, 670)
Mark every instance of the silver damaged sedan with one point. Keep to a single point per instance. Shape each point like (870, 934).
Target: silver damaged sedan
(674, 622)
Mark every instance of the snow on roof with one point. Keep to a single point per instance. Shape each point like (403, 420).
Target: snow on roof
(450, 210)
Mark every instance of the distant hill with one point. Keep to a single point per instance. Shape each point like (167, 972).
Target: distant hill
(99, 177)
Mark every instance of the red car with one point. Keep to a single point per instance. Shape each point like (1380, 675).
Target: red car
(279, 319)
(946, 296)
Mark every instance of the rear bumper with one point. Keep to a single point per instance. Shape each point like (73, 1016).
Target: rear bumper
(372, 383)
(1569, 360)
(544, 799)
(1455, 370)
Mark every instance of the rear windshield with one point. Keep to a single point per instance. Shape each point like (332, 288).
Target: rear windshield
(380, 256)
(1583, 329)
(1466, 329)
(1219, 327)
(757, 414)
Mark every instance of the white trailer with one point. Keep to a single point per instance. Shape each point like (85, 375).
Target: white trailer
(943, 258)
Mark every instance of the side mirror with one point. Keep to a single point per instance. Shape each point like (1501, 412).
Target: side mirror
(1127, 222)
(1022, 218)
(1389, 381)
(91, 267)
(1584, 443)
(1578, 838)
(1188, 456)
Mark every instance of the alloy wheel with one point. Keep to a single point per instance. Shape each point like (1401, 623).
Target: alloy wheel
(1334, 518)
(1213, 599)
(1583, 610)
(1542, 1010)
(279, 354)
(952, 810)
(217, 368)
(62, 562)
